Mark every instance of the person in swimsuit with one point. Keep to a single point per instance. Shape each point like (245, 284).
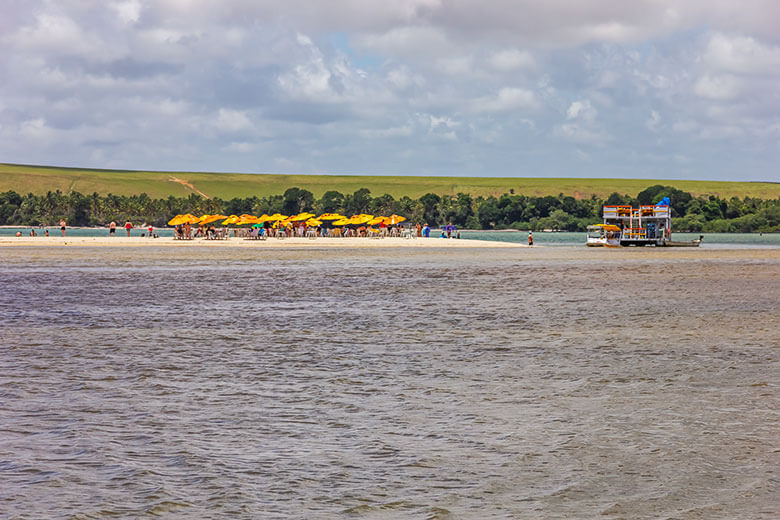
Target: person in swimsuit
(128, 227)
(62, 226)
(112, 229)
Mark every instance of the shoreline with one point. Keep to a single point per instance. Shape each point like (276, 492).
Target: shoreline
(363, 243)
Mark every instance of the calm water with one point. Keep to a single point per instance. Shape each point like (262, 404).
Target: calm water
(440, 384)
(711, 240)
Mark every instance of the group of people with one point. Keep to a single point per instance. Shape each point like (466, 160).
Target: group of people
(128, 226)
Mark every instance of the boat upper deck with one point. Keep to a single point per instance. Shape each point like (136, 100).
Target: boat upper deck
(627, 212)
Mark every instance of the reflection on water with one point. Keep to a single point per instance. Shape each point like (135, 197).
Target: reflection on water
(558, 383)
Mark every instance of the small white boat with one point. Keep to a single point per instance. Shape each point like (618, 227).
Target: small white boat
(603, 235)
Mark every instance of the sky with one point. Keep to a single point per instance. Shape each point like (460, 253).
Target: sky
(657, 89)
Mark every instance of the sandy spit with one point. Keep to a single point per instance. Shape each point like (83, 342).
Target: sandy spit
(53, 241)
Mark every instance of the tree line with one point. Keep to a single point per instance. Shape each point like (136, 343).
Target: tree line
(507, 211)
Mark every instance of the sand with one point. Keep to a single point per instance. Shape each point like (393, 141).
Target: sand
(53, 241)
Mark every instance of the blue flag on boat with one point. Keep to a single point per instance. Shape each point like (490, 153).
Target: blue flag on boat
(664, 202)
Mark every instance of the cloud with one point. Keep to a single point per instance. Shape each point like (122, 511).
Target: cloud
(510, 59)
(232, 121)
(507, 99)
(742, 55)
(581, 125)
(722, 87)
(414, 86)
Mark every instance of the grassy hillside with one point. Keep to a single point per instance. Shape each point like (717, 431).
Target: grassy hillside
(40, 179)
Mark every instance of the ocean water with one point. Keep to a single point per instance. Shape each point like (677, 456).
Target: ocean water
(424, 384)
(711, 240)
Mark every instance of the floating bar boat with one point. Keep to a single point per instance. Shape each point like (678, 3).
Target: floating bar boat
(643, 226)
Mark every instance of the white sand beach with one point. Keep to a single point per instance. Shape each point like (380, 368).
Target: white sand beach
(59, 241)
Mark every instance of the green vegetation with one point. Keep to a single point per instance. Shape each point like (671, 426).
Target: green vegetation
(40, 180)
(707, 213)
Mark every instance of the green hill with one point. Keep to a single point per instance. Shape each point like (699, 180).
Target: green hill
(157, 184)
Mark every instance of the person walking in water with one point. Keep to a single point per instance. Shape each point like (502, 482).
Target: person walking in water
(62, 226)
(530, 238)
(112, 229)
(128, 227)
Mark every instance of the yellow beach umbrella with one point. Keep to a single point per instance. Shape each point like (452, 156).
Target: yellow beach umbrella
(232, 219)
(276, 217)
(208, 219)
(246, 219)
(360, 219)
(395, 219)
(376, 220)
(330, 216)
(312, 222)
(190, 219)
(341, 222)
(175, 221)
(301, 216)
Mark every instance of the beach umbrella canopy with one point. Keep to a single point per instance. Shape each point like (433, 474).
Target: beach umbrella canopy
(312, 222)
(246, 219)
(208, 219)
(301, 216)
(395, 219)
(276, 217)
(341, 222)
(330, 216)
(190, 219)
(175, 221)
(232, 219)
(360, 219)
(376, 220)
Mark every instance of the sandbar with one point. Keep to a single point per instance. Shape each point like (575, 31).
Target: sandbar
(76, 241)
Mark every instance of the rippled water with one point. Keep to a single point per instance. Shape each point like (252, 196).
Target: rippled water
(424, 384)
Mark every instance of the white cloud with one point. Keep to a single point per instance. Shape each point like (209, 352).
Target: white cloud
(178, 83)
(581, 110)
(240, 147)
(129, 11)
(396, 131)
(510, 59)
(232, 121)
(722, 87)
(507, 99)
(653, 121)
(742, 55)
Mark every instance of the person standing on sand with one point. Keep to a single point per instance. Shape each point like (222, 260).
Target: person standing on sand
(530, 238)
(62, 226)
(128, 227)
(419, 230)
(112, 229)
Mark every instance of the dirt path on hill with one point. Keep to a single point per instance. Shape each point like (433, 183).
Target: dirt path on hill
(188, 185)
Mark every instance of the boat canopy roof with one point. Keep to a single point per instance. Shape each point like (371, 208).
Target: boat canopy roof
(607, 227)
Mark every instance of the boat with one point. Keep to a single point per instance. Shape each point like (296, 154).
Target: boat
(643, 226)
(603, 235)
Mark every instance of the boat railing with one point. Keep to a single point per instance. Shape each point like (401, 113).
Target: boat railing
(616, 211)
(652, 211)
(635, 233)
